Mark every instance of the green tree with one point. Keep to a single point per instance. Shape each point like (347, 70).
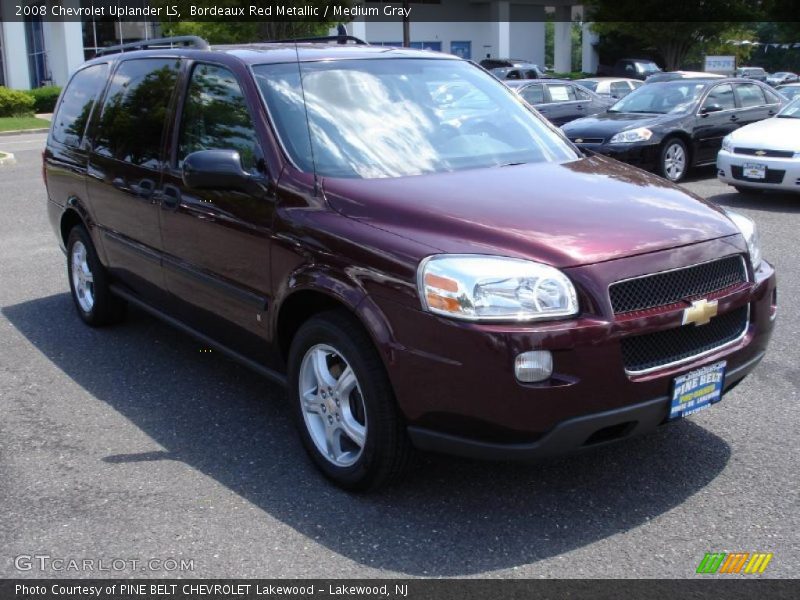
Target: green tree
(684, 23)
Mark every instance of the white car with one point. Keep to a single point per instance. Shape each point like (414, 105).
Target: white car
(610, 87)
(764, 155)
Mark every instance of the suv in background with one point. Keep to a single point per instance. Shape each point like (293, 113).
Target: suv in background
(756, 73)
(420, 257)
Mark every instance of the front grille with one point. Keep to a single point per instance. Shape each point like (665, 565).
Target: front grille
(587, 140)
(653, 350)
(669, 287)
(768, 153)
(771, 176)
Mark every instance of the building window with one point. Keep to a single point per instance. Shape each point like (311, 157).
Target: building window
(99, 34)
(461, 49)
(37, 55)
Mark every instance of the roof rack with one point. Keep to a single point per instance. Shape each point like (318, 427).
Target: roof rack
(339, 39)
(189, 41)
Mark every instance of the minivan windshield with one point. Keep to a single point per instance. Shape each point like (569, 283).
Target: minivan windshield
(661, 98)
(399, 117)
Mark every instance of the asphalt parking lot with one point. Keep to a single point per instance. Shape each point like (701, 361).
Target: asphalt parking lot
(129, 443)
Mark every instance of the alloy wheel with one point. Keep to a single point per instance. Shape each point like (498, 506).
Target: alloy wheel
(674, 161)
(82, 277)
(332, 405)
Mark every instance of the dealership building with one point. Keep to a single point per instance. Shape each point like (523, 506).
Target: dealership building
(36, 52)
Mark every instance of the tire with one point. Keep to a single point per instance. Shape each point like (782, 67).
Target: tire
(673, 162)
(88, 282)
(331, 426)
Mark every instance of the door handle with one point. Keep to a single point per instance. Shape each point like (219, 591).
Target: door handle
(170, 197)
(771, 112)
(734, 118)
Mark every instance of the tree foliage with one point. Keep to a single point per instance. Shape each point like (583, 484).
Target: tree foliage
(682, 26)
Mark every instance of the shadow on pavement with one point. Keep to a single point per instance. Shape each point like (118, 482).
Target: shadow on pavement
(450, 517)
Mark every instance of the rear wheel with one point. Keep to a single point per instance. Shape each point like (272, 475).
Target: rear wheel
(674, 161)
(88, 282)
(343, 404)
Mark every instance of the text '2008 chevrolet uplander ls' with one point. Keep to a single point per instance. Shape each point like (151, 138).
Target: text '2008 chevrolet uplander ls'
(422, 268)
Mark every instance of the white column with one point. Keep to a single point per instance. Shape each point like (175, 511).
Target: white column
(64, 44)
(502, 34)
(16, 55)
(589, 57)
(562, 44)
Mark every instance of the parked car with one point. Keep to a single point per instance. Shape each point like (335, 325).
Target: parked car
(790, 90)
(499, 63)
(634, 68)
(781, 77)
(467, 283)
(756, 73)
(673, 75)
(523, 71)
(672, 126)
(560, 101)
(764, 155)
(610, 87)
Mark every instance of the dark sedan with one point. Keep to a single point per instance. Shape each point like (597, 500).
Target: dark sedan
(671, 126)
(560, 101)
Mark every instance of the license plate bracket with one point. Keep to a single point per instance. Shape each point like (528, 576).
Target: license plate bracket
(697, 390)
(754, 171)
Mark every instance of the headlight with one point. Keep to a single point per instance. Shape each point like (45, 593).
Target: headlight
(641, 134)
(494, 288)
(748, 229)
(727, 144)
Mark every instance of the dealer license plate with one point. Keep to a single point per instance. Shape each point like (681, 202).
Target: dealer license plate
(754, 171)
(696, 390)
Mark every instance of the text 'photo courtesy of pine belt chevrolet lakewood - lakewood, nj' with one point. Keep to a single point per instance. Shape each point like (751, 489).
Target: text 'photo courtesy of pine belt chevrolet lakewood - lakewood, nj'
(423, 259)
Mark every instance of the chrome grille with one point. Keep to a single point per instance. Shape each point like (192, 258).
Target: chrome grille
(669, 287)
(767, 153)
(642, 353)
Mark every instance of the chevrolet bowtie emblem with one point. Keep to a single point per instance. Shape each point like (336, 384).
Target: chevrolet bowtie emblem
(579, 141)
(760, 152)
(700, 312)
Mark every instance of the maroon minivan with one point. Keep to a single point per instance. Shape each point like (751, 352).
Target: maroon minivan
(420, 257)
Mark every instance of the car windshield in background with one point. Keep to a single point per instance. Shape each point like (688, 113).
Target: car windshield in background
(401, 117)
(669, 97)
(791, 110)
(790, 92)
(588, 84)
(647, 67)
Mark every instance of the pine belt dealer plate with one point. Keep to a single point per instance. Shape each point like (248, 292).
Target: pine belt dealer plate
(754, 171)
(696, 390)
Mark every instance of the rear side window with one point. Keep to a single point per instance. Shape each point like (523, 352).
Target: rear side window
(135, 110)
(533, 94)
(215, 116)
(70, 121)
(750, 95)
(619, 89)
(580, 93)
(561, 93)
(721, 95)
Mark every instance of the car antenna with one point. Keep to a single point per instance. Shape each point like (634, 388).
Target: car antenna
(308, 121)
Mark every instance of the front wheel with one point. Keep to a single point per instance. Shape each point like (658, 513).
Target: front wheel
(674, 160)
(343, 404)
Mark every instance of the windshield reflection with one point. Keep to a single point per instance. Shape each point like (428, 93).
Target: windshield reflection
(402, 117)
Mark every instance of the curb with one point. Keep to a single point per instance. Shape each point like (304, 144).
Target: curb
(24, 131)
(6, 158)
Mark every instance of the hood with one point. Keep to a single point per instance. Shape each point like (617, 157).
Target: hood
(607, 124)
(771, 134)
(580, 212)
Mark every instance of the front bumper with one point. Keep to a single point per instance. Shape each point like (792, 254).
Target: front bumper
(571, 435)
(455, 383)
(781, 174)
(644, 155)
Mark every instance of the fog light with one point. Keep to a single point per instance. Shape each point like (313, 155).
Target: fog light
(536, 365)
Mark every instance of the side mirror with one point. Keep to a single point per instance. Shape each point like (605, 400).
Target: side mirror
(711, 108)
(216, 170)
